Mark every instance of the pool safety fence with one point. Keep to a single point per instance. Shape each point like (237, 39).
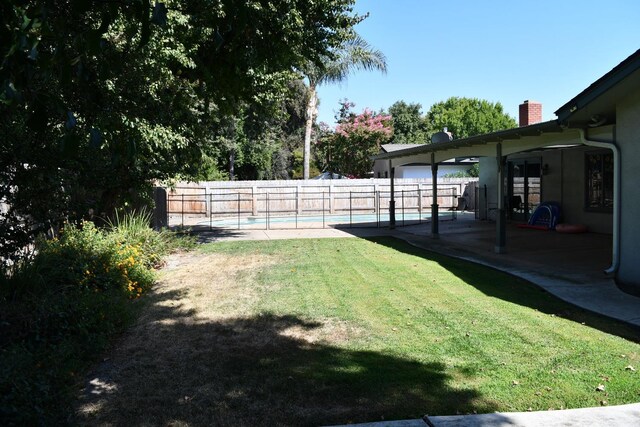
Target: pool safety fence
(244, 209)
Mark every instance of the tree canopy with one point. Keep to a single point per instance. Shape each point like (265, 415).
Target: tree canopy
(100, 99)
(465, 117)
(409, 125)
(357, 137)
(353, 54)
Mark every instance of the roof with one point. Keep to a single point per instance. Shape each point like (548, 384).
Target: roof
(388, 148)
(515, 133)
(598, 88)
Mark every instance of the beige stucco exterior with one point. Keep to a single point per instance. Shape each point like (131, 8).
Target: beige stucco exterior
(628, 139)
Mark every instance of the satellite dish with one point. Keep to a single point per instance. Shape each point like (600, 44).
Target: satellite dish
(440, 137)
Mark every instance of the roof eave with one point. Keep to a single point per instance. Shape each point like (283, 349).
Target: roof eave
(599, 87)
(503, 135)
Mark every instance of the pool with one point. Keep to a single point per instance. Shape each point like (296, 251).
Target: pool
(320, 220)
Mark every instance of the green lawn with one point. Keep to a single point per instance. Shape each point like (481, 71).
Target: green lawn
(420, 333)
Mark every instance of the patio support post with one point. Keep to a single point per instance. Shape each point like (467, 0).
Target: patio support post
(501, 221)
(392, 202)
(435, 219)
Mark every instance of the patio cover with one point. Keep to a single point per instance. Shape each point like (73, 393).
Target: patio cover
(515, 140)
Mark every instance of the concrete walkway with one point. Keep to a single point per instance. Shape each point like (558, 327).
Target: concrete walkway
(611, 416)
(571, 269)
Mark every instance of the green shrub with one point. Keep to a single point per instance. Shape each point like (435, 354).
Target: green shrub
(60, 310)
(94, 260)
(134, 228)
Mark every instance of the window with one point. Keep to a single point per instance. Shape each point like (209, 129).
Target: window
(599, 180)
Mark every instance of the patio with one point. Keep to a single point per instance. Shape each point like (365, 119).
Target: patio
(569, 266)
(580, 257)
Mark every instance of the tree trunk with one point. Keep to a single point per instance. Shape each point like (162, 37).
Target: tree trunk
(232, 164)
(311, 111)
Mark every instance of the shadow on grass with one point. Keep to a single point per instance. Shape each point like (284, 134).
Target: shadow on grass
(175, 369)
(509, 288)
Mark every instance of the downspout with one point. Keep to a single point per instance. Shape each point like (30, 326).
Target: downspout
(611, 145)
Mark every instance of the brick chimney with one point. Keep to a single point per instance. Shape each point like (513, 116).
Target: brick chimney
(530, 113)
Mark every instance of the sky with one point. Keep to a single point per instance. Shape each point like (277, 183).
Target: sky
(505, 51)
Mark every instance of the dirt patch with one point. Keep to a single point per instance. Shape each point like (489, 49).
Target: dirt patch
(182, 363)
(216, 286)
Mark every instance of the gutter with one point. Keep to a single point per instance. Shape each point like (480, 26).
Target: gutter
(611, 145)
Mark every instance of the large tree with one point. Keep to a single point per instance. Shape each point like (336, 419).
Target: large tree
(357, 138)
(354, 54)
(409, 125)
(99, 99)
(465, 117)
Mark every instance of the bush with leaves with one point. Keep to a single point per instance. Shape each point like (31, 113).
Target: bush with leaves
(61, 309)
(357, 137)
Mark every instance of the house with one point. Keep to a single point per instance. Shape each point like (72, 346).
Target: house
(585, 160)
(419, 170)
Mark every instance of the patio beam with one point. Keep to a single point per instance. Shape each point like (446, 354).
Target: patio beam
(435, 219)
(501, 221)
(392, 201)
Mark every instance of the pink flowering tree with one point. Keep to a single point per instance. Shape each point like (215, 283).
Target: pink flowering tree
(357, 137)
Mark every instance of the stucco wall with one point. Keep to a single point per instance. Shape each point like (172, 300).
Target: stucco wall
(551, 184)
(425, 171)
(628, 137)
(487, 182)
(564, 183)
(573, 192)
(416, 171)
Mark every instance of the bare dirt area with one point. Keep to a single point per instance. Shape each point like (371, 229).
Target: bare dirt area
(200, 354)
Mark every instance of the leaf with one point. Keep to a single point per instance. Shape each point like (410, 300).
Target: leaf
(629, 368)
(600, 387)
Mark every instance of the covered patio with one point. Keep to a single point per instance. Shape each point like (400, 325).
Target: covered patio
(579, 258)
(501, 235)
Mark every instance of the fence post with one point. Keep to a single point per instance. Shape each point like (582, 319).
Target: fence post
(207, 208)
(350, 211)
(377, 196)
(402, 193)
(182, 209)
(323, 196)
(238, 209)
(160, 210)
(266, 219)
(455, 200)
(254, 200)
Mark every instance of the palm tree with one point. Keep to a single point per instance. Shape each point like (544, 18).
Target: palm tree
(355, 54)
